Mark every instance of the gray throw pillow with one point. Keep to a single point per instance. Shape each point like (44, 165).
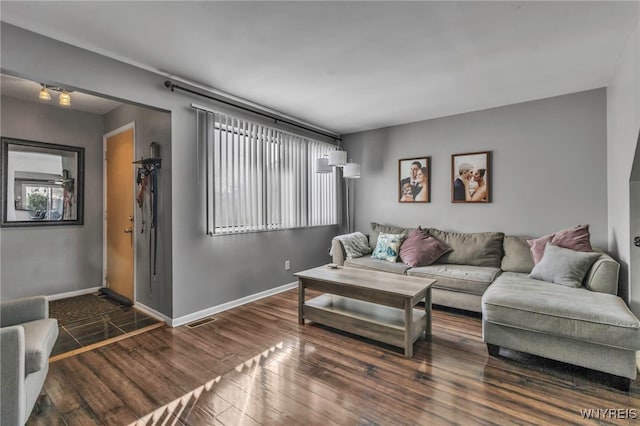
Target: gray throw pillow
(355, 244)
(563, 266)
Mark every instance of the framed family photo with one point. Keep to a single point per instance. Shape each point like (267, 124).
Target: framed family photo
(471, 177)
(414, 180)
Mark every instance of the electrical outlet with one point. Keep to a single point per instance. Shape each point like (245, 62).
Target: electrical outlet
(287, 265)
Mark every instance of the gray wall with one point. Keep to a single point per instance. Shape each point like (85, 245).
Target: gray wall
(623, 125)
(54, 259)
(151, 126)
(207, 271)
(549, 168)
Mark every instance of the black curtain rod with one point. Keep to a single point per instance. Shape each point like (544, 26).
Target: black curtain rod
(170, 85)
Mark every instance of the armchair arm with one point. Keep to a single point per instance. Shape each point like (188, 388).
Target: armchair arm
(17, 311)
(603, 275)
(337, 252)
(13, 397)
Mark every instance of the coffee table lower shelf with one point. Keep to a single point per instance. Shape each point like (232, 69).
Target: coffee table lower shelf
(378, 322)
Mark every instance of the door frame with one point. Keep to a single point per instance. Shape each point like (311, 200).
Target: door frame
(106, 136)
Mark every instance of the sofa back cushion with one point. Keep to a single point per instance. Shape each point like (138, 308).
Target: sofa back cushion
(517, 255)
(377, 228)
(476, 249)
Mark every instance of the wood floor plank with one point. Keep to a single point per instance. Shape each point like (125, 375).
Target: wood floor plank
(256, 365)
(82, 417)
(101, 400)
(131, 393)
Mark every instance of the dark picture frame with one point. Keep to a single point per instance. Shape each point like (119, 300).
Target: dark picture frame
(471, 176)
(412, 188)
(42, 184)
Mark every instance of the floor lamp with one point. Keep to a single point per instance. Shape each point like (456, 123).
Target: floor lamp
(350, 171)
(338, 159)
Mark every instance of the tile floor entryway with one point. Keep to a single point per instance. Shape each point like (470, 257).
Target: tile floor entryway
(91, 330)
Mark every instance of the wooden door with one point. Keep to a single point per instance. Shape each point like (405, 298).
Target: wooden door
(119, 213)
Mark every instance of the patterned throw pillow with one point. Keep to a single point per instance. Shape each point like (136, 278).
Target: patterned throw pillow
(388, 247)
(377, 228)
(355, 244)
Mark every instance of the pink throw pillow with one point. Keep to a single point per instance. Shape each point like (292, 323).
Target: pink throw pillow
(537, 247)
(419, 249)
(576, 238)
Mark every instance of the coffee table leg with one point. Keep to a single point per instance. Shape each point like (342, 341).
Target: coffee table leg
(427, 311)
(408, 330)
(300, 301)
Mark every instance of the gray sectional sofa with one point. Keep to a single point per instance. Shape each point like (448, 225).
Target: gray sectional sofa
(489, 273)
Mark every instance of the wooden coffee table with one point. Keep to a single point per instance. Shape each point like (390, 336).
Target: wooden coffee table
(376, 305)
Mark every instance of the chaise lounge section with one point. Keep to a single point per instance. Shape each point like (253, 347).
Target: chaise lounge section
(581, 326)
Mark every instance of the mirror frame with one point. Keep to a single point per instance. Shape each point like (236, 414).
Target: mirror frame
(79, 183)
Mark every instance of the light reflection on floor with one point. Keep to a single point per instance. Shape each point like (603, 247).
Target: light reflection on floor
(180, 407)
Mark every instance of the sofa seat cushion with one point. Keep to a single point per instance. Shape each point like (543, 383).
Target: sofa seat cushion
(39, 338)
(462, 278)
(366, 262)
(516, 300)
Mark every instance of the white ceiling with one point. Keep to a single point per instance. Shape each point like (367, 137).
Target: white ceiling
(352, 66)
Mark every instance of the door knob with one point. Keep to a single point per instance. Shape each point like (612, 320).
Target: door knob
(128, 230)
(636, 241)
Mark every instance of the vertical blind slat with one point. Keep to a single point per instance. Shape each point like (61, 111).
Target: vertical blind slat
(213, 168)
(246, 176)
(254, 178)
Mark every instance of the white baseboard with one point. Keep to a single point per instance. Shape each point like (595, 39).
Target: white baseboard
(152, 312)
(74, 293)
(176, 322)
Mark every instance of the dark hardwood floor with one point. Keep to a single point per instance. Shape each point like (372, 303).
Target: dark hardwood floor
(255, 365)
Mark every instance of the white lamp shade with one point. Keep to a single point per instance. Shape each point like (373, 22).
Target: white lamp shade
(322, 165)
(351, 171)
(337, 158)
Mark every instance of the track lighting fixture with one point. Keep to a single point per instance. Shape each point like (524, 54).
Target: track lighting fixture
(64, 99)
(44, 93)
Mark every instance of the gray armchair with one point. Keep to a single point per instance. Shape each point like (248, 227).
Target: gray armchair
(27, 336)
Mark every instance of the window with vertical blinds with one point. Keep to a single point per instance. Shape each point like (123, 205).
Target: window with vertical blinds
(259, 178)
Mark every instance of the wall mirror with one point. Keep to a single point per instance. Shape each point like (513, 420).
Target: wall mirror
(42, 184)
